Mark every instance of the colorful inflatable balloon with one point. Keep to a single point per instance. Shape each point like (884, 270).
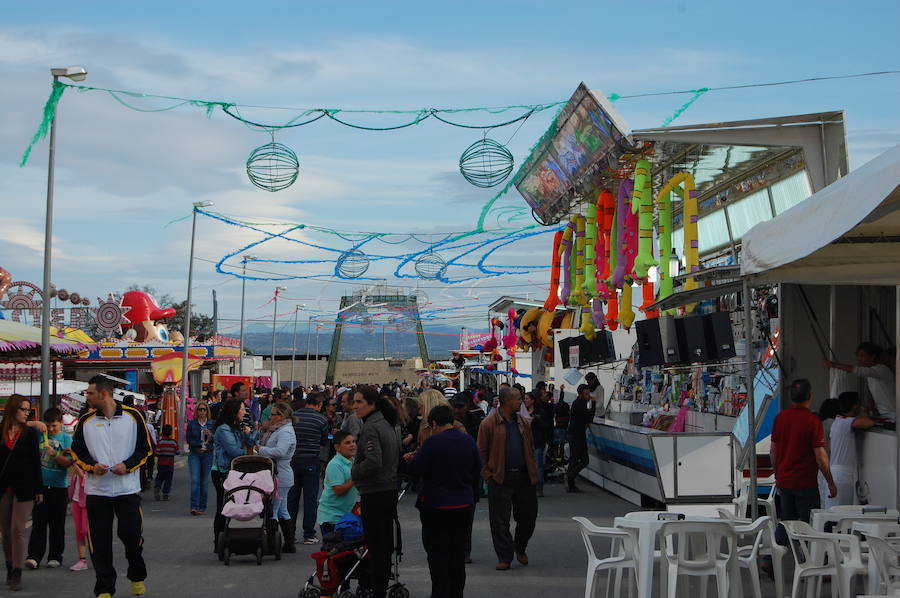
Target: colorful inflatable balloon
(691, 242)
(626, 310)
(589, 286)
(622, 234)
(606, 206)
(642, 206)
(578, 296)
(664, 228)
(612, 311)
(566, 252)
(553, 294)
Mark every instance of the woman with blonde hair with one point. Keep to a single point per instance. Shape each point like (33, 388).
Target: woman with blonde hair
(199, 435)
(428, 400)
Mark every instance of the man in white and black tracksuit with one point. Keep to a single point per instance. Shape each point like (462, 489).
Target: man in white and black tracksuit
(111, 443)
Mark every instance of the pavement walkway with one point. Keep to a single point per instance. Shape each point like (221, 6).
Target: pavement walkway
(180, 562)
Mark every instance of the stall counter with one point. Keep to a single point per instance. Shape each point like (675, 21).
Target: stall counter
(877, 457)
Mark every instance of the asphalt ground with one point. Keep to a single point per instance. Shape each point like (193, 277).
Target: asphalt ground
(180, 562)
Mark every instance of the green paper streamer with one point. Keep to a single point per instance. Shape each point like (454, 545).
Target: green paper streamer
(49, 114)
(685, 106)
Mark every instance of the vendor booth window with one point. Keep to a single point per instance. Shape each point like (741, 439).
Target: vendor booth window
(748, 212)
(712, 232)
(790, 191)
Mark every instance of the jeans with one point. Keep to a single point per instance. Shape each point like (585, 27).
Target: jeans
(164, 474)
(795, 504)
(578, 457)
(444, 534)
(539, 453)
(517, 497)
(379, 516)
(101, 512)
(306, 483)
(200, 465)
(279, 505)
(51, 513)
(559, 442)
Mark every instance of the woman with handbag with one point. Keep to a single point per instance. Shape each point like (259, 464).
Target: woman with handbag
(20, 483)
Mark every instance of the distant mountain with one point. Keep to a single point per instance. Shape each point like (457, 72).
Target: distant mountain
(356, 344)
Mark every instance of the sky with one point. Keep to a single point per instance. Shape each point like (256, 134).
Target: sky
(123, 176)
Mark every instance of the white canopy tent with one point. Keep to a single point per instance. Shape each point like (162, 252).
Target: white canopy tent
(847, 233)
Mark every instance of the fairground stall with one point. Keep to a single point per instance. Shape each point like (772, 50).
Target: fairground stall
(835, 257)
(648, 234)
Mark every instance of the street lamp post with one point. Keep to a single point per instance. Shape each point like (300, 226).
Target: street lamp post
(308, 328)
(185, 387)
(75, 73)
(274, 316)
(317, 353)
(244, 261)
(294, 343)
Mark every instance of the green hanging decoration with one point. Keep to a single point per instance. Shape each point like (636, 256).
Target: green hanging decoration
(273, 167)
(46, 121)
(486, 163)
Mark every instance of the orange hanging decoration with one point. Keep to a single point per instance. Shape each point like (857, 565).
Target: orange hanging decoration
(649, 299)
(612, 312)
(553, 295)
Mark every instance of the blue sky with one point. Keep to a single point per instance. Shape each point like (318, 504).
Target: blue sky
(122, 175)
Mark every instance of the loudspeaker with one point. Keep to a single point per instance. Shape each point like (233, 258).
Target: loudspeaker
(698, 349)
(719, 335)
(649, 342)
(599, 350)
(564, 345)
(673, 345)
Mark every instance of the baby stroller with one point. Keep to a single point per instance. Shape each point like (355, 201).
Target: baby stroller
(247, 508)
(340, 561)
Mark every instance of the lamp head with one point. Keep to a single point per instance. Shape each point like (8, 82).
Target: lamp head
(203, 204)
(75, 73)
(674, 265)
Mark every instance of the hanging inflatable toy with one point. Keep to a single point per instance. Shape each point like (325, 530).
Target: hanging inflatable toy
(642, 205)
(664, 209)
(553, 294)
(597, 314)
(688, 194)
(528, 328)
(631, 237)
(587, 325)
(589, 286)
(577, 297)
(566, 252)
(649, 299)
(545, 328)
(622, 234)
(612, 311)
(626, 310)
(605, 216)
(511, 337)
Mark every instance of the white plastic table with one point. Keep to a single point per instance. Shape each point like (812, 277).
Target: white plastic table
(647, 524)
(880, 529)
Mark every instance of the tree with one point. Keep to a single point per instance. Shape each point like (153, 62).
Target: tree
(202, 326)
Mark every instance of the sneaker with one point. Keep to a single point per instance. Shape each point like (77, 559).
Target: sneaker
(311, 541)
(104, 595)
(156, 494)
(138, 588)
(53, 563)
(80, 565)
(31, 564)
(165, 497)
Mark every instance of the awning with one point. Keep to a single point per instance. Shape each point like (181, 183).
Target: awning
(24, 340)
(847, 233)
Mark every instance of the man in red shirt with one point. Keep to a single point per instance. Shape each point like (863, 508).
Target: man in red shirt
(798, 454)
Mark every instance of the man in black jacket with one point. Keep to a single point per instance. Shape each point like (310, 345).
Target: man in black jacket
(582, 414)
(542, 430)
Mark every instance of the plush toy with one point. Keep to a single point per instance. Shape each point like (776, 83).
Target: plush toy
(589, 286)
(587, 326)
(528, 327)
(606, 206)
(626, 310)
(649, 299)
(578, 296)
(626, 237)
(510, 339)
(612, 311)
(566, 252)
(664, 228)
(597, 314)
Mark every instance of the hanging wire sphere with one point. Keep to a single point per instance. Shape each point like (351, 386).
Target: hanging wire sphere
(352, 264)
(430, 265)
(486, 163)
(273, 167)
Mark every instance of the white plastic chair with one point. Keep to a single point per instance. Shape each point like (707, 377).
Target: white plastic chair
(842, 558)
(767, 547)
(622, 556)
(743, 498)
(709, 561)
(886, 554)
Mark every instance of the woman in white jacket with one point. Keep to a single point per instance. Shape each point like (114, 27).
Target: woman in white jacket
(278, 444)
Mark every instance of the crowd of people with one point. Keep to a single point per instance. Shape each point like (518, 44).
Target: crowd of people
(335, 449)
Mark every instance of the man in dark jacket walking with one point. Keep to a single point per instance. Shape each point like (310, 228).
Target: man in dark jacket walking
(582, 414)
(507, 454)
(542, 429)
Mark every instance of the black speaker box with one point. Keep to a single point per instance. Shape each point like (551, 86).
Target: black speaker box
(672, 338)
(719, 335)
(649, 341)
(698, 348)
(599, 350)
(564, 345)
